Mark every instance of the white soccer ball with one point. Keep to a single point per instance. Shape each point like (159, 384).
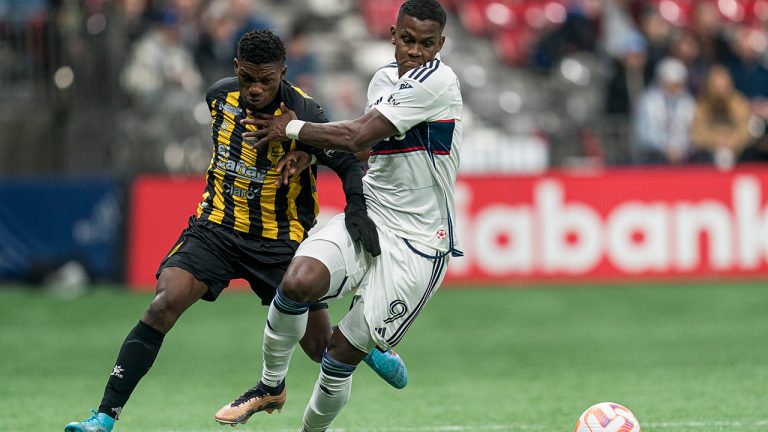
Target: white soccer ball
(607, 417)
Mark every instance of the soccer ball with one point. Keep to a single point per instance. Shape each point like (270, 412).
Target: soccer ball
(607, 417)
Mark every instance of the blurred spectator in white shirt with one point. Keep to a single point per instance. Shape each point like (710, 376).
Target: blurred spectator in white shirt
(663, 117)
(160, 63)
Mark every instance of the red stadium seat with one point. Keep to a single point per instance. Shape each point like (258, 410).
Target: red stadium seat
(472, 17)
(513, 46)
(757, 12)
(678, 12)
(379, 15)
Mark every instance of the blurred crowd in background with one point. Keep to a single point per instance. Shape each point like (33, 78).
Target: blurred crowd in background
(117, 86)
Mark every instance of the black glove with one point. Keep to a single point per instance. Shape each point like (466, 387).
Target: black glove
(360, 227)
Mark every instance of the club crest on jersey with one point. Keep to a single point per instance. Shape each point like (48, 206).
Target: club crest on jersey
(397, 309)
(441, 234)
(275, 152)
(405, 85)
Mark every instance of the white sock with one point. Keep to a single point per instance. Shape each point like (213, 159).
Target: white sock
(330, 395)
(286, 323)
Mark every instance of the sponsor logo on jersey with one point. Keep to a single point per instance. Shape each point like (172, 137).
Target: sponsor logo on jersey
(405, 85)
(251, 192)
(230, 109)
(241, 170)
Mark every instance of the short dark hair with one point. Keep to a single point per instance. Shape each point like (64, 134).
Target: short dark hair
(424, 10)
(261, 46)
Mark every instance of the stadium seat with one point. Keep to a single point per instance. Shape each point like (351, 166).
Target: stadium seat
(472, 17)
(513, 45)
(756, 12)
(379, 15)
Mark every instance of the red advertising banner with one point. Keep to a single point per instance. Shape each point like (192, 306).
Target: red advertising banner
(620, 225)
(159, 209)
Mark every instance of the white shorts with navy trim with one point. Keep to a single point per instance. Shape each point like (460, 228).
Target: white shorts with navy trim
(393, 287)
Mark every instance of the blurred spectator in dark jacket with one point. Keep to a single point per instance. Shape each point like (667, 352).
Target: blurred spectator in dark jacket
(300, 59)
(133, 19)
(657, 32)
(721, 123)
(749, 75)
(685, 48)
(627, 79)
(579, 32)
(708, 30)
(189, 12)
(224, 22)
(663, 117)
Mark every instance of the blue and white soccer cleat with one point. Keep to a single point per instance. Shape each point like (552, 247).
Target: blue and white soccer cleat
(389, 366)
(98, 422)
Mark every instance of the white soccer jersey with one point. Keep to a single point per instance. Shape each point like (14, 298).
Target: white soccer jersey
(409, 187)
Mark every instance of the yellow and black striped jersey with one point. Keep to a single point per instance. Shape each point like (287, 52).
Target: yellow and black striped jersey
(240, 190)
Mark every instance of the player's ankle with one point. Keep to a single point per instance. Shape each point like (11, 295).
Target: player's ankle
(103, 409)
(272, 390)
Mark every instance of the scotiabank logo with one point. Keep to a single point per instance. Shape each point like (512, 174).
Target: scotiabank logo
(599, 235)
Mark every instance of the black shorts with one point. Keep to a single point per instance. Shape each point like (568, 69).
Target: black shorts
(215, 255)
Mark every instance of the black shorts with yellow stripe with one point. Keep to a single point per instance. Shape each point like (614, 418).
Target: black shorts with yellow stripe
(215, 255)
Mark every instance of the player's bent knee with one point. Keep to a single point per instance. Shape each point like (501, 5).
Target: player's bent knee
(339, 348)
(162, 314)
(165, 310)
(306, 280)
(300, 289)
(176, 291)
(313, 349)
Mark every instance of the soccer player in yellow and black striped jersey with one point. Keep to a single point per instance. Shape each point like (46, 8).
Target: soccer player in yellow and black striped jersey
(258, 205)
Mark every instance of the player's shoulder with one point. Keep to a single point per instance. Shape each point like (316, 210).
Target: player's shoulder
(434, 70)
(295, 92)
(434, 77)
(388, 72)
(222, 87)
(434, 73)
(305, 107)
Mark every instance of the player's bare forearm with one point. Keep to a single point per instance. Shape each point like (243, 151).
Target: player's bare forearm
(341, 135)
(349, 135)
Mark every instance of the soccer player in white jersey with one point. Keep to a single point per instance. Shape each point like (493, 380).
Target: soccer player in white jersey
(412, 127)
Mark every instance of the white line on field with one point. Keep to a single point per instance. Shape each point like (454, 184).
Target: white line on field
(705, 424)
(675, 425)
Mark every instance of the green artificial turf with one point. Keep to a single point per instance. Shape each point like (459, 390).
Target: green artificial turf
(691, 357)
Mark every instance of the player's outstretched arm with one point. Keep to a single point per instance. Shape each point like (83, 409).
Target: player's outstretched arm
(349, 135)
